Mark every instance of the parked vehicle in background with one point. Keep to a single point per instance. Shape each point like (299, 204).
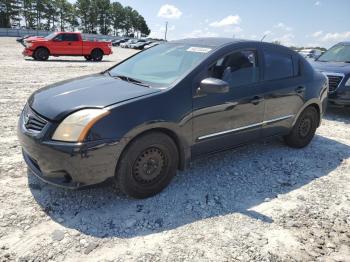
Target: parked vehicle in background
(119, 41)
(335, 63)
(141, 45)
(128, 43)
(65, 44)
(137, 43)
(310, 53)
(149, 115)
(151, 45)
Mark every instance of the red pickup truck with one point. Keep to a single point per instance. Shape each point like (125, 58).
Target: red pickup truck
(65, 44)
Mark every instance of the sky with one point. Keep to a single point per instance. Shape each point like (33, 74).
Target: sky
(292, 22)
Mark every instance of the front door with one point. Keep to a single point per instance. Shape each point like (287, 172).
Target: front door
(223, 121)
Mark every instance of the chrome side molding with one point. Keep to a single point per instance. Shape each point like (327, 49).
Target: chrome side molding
(264, 123)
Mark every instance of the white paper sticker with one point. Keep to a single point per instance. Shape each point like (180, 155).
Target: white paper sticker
(198, 49)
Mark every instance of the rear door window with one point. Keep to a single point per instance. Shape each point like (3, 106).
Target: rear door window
(278, 65)
(70, 37)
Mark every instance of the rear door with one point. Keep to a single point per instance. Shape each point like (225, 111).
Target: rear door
(283, 90)
(222, 121)
(73, 45)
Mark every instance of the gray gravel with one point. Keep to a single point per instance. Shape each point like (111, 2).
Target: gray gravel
(262, 202)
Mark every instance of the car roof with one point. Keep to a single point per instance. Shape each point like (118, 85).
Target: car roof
(208, 41)
(344, 43)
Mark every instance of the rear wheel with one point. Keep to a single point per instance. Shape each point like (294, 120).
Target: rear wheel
(148, 165)
(304, 129)
(88, 57)
(96, 55)
(41, 54)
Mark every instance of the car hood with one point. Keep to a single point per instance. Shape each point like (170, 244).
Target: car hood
(94, 91)
(35, 38)
(332, 67)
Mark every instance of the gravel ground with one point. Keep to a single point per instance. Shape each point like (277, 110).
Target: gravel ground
(262, 202)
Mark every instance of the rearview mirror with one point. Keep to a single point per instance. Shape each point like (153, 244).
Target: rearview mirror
(214, 85)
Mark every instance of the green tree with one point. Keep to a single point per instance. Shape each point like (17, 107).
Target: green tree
(104, 16)
(29, 13)
(117, 17)
(51, 15)
(10, 13)
(83, 8)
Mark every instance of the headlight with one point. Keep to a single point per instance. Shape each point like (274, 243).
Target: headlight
(348, 82)
(75, 127)
(29, 44)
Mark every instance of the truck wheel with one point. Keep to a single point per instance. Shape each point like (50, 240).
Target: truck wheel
(96, 55)
(148, 165)
(41, 54)
(88, 57)
(304, 129)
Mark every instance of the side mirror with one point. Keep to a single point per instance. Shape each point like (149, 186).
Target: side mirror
(214, 85)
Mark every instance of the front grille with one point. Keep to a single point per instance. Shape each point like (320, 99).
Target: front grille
(334, 82)
(32, 121)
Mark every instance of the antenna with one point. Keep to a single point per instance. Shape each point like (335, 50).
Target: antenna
(166, 29)
(262, 39)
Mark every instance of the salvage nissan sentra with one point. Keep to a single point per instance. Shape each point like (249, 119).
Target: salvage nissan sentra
(141, 120)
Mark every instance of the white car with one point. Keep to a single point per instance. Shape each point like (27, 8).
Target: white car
(310, 53)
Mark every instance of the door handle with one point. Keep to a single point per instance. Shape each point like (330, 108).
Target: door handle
(256, 100)
(300, 89)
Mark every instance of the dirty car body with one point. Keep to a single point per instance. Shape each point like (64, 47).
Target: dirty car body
(197, 107)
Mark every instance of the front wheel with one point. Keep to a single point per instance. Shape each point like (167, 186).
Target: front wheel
(148, 165)
(304, 129)
(41, 54)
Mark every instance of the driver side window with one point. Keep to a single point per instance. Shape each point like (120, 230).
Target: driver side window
(238, 68)
(59, 37)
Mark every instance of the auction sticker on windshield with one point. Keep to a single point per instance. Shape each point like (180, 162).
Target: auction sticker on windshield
(198, 49)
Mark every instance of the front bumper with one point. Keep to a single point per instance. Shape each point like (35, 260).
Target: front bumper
(27, 52)
(340, 97)
(69, 165)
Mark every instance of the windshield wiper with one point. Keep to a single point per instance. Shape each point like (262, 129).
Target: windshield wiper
(132, 80)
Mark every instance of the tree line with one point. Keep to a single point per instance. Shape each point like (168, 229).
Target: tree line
(89, 16)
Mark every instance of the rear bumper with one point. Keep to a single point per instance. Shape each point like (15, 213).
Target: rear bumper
(27, 52)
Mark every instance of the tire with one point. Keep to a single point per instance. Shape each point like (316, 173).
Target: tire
(147, 165)
(41, 54)
(304, 129)
(97, 55)
(88, 57)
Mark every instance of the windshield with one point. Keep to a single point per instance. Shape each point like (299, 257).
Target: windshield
(161, 65)
(50, 36)
(338, 53)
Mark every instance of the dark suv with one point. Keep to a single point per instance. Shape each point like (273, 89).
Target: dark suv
(335, 63)
(149, 115)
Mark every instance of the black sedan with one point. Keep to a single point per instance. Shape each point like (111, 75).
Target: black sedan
(335, 64)
(141, 120)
